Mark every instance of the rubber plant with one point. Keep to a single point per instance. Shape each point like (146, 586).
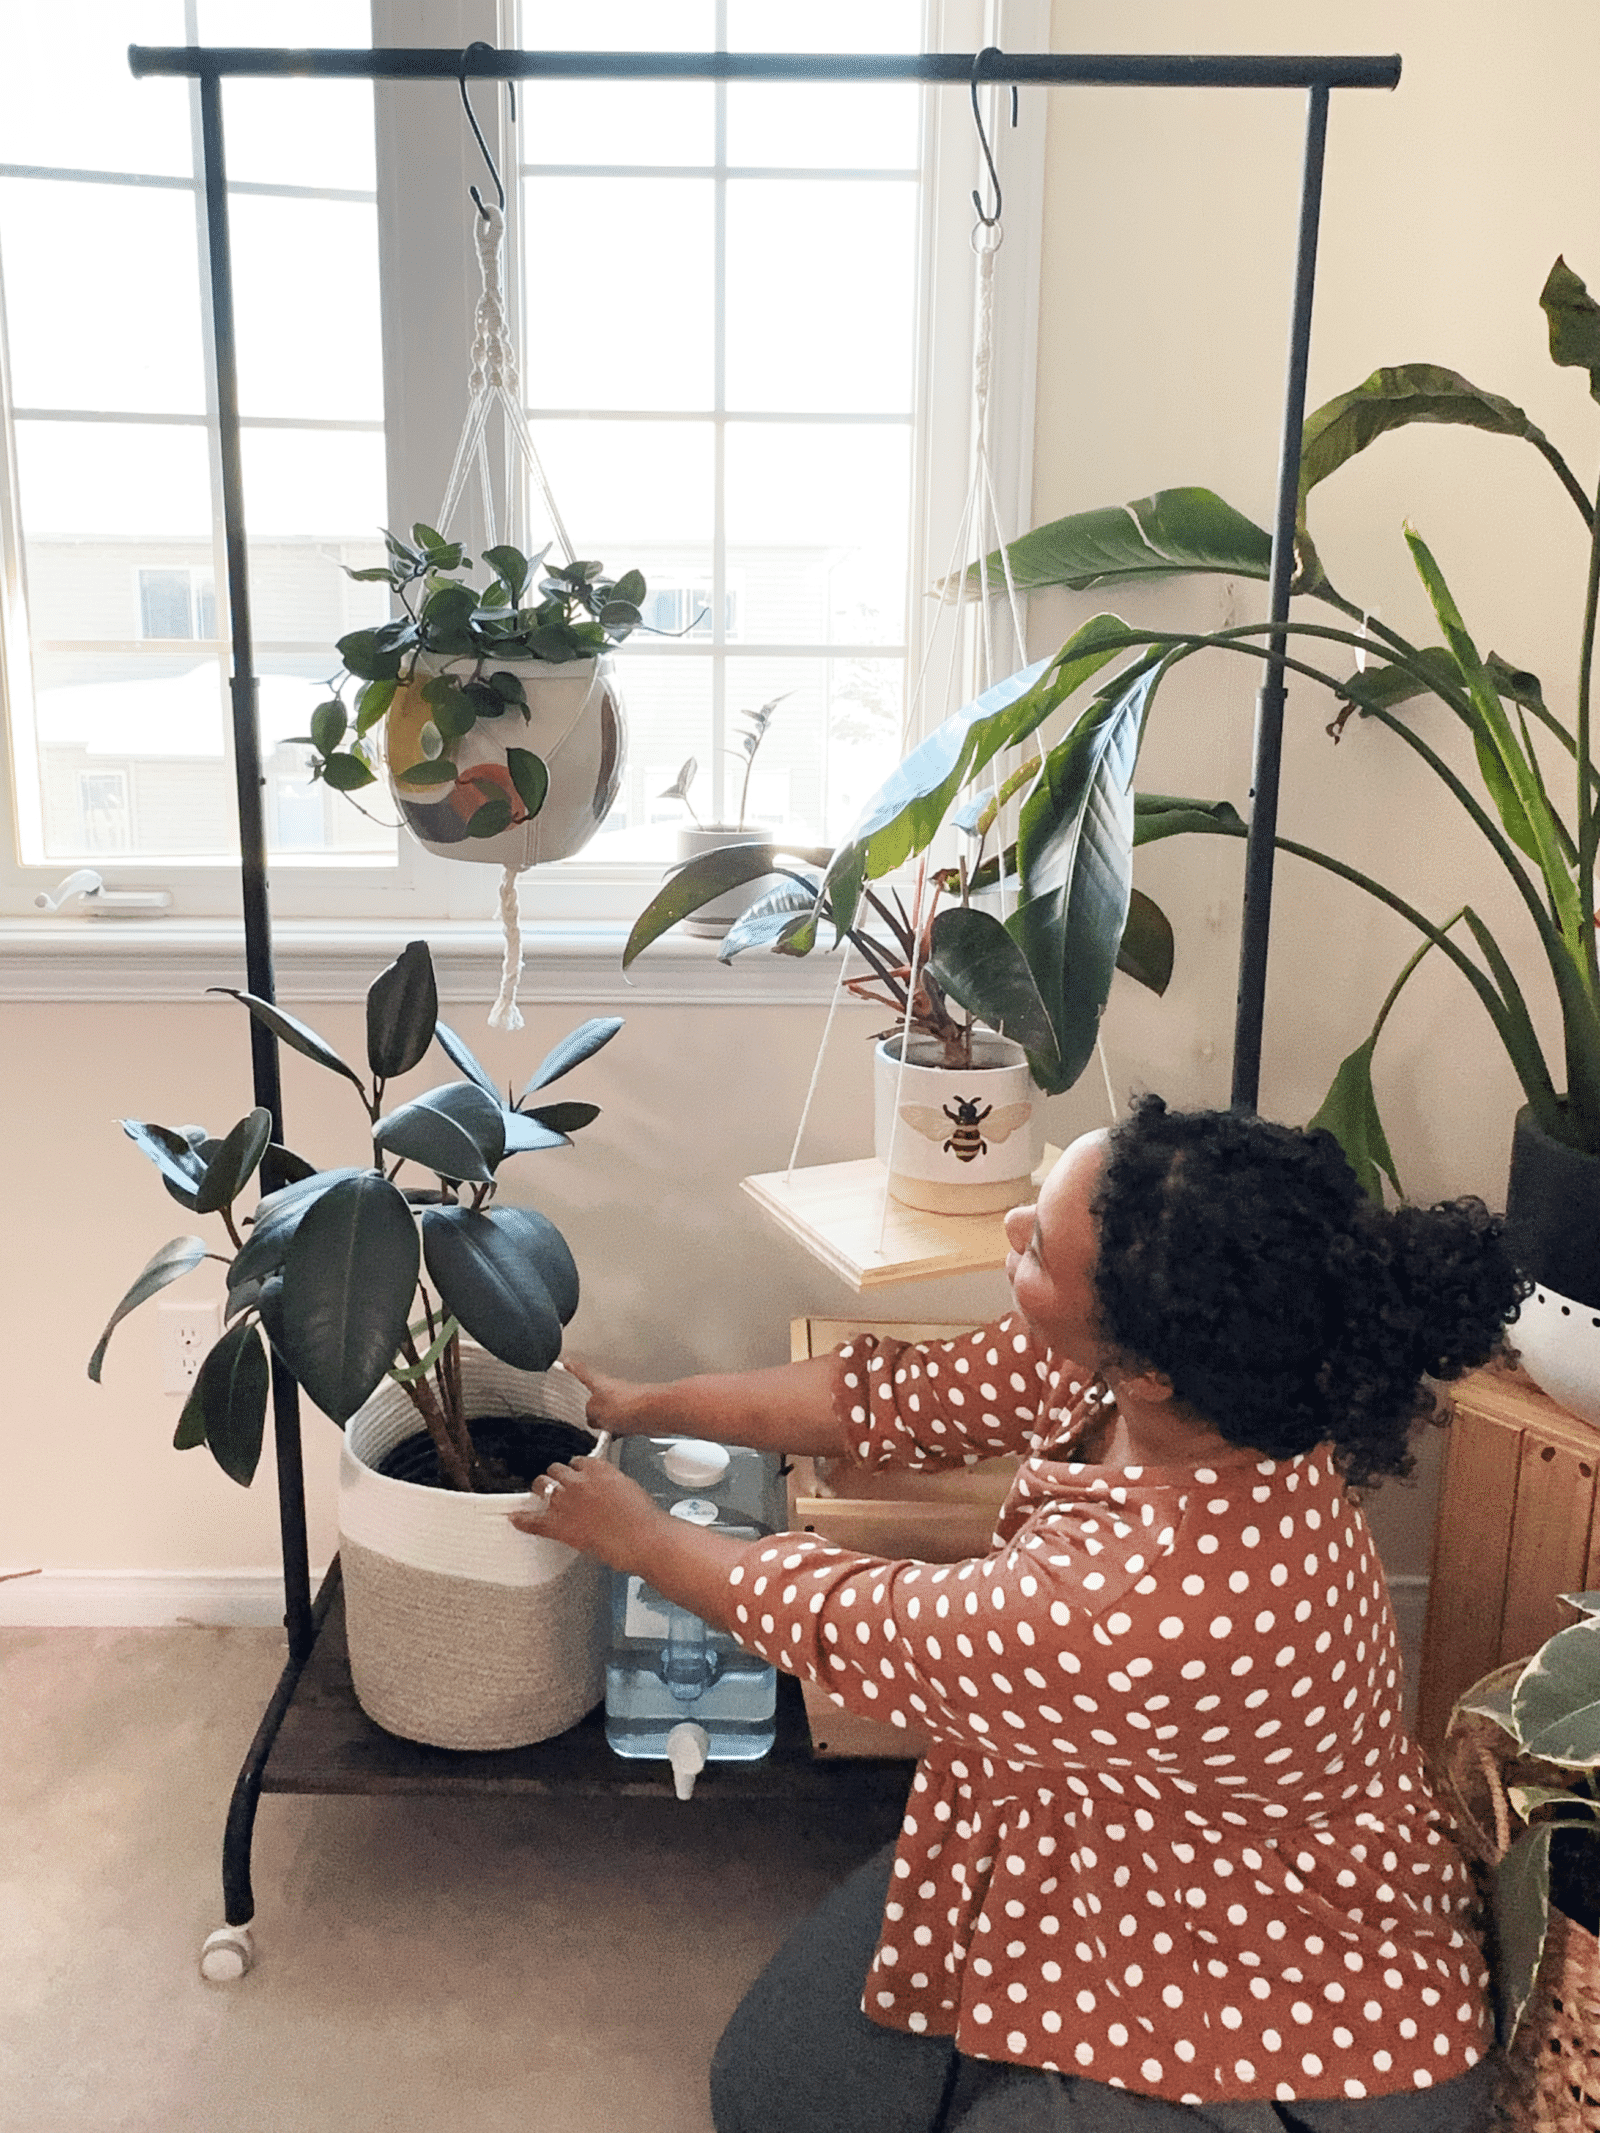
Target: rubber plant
(1075, 883)
(1042, 976)
(430, 662)
(350, 1277)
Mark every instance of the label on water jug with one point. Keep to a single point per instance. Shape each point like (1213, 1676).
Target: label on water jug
(698, 1510)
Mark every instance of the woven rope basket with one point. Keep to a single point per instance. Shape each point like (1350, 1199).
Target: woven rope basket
(465, 1633)
(1550, 2072)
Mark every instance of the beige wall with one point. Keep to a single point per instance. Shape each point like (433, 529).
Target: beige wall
(1169, 239)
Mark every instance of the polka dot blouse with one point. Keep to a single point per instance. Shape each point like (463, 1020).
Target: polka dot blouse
(1171, 1834)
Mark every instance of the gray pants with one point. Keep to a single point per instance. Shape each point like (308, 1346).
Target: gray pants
(799, 2056)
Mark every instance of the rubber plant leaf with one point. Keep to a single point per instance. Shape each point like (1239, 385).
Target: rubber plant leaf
(170, 1264)
(526, 1133)
(910, 806)
(402, 1012)
(698, 881)
(1166, 535)
(459, 1054)
(507, 1275)
(563, 1119)
(1520, 1888)
(1075, 854)
(1349, 1112)
(277, 1218)
(180, 1163)
(229, 1400)
(280, 1166)
(458, 1132)
(292, 1032)
(1574, 321)
(774, 920)
(349, 1280)
(973, 958)
(233, 1165)
(1556, 1703)
(581, 1044)
(1146, 950)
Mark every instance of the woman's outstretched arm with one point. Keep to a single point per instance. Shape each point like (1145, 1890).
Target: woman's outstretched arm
(786, 1409)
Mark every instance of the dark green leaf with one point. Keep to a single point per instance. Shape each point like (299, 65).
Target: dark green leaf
(1516, 684)
(1521, 1892)
(773, 921)
(365, 659)
(373, 698)
(380, 574)
(402, 1011)
(508, 687)
(457, 1052)
(174, 1260)
(511, 565)
(1160, 536)
(230, 1393)
(490, 816)
(454, 712)
(619, 617)
(180, 1164)
(328, 724)
(1349, 1112)
(1147, 948)
(439, 771)
(1574, 320)
(347, 773)
(564, 1118)
(234, 1163)
(1383, 685)
(404, 554)
(978, 964)
(526, 1136)
(288, 1030)
(1557, 1700)
(507, 1275)
(1160, 814)
(277, 1218)
(281, 1166)
(190, 1433)
(349, 1281)
(630, 587)
(697, 882)
(441, 554)
(457, 1132)
(581, 1044)
(531, 777)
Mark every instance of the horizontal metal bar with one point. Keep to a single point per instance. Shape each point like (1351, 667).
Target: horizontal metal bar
(1152, 70)
(192, 421)
(60, 176)
(750, 172)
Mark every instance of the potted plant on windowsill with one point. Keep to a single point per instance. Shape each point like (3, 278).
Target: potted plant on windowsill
(426, 1321)
(501, 722)
(711, 920)
(1547, 851)
(987, 996)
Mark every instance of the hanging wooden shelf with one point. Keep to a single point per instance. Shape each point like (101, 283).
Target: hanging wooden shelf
(836, 1211)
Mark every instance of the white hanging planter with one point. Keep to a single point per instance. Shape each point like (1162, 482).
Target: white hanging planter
(575, 726)
(463, 1632)
(957, 1140)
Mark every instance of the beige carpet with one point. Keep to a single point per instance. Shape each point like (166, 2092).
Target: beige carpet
(512, 1966)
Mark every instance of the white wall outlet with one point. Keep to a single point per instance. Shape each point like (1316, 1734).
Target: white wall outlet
(188, 1333)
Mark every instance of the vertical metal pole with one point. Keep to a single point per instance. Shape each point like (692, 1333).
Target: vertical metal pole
(252, 825)
(1258, 859)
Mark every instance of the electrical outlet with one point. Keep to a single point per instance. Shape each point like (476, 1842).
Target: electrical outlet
(188, 1333)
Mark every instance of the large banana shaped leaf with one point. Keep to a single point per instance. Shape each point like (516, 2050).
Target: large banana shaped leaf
(1159, 536)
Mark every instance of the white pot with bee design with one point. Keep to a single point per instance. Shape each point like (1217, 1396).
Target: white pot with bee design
(957, 1140)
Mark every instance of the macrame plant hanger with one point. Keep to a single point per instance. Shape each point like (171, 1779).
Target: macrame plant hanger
(494, 384)
(978, 533)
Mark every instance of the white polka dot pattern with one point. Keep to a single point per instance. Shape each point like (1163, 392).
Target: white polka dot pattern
(1171, 1833)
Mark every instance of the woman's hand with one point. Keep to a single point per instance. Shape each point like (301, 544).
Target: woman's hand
(617, 1404)
(591, 1506)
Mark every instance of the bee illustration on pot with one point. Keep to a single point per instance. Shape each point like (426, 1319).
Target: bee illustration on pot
(965, 1127)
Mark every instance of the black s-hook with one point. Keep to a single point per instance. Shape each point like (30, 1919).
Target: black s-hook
(990, 51)
(480, 45)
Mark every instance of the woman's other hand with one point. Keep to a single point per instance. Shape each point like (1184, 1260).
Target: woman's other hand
(617, 1404)
(589, 1505)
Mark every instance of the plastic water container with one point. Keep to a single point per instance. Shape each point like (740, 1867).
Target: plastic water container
(676, 1690)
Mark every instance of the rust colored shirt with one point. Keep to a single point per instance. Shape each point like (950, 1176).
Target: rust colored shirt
(1171, 1833)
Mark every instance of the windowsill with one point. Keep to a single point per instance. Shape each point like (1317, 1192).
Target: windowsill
(176, 959)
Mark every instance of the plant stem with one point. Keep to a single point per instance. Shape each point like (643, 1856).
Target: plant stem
(1588, 818)
(448, 1433)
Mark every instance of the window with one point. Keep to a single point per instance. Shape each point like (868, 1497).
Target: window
(734, 348)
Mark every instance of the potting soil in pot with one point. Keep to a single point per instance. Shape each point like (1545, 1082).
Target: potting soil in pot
(515, 1449)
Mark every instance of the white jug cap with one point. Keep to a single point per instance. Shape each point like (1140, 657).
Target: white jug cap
(693, 1463)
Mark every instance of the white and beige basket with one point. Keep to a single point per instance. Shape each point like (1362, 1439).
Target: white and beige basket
(464, 1632)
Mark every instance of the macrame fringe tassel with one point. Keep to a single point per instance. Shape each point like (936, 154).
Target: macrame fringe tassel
(505, 1013)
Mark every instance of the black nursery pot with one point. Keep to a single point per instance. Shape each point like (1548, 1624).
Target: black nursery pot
(1553, 1212)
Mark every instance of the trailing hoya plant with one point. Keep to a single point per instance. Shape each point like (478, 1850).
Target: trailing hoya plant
(351, 1276)
(529, 610)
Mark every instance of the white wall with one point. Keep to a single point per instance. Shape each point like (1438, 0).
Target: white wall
(1164, 314)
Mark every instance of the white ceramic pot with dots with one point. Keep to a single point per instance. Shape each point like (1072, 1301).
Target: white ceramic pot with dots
(1558, 1344)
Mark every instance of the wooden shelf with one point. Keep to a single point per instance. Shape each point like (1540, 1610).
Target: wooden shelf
(836, 1211)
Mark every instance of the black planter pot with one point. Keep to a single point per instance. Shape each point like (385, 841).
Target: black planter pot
(1553, 1212)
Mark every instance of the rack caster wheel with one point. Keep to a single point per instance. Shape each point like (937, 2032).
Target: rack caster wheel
(227, 1955)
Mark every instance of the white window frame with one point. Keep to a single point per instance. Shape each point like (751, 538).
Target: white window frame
(422, 178)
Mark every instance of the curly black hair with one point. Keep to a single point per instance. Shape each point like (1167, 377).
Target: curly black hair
(1242, 1261)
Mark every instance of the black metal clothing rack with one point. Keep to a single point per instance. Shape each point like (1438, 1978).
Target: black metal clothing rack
(330, 1746)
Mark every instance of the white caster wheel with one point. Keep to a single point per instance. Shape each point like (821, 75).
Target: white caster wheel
(227, 1955)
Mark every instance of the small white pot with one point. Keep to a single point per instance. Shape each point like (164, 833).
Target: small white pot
(712, 920)
(958, 1141)
(1558, 1342)
(575, 725)
(465, 1633)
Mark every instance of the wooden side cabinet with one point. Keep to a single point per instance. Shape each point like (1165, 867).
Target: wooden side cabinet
(1519, 1524)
